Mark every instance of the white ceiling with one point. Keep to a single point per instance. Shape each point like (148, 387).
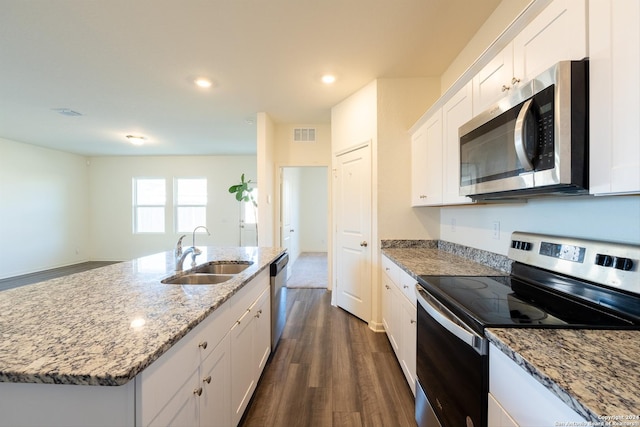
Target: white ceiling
(128, 65)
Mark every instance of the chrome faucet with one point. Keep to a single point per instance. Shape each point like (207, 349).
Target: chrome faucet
(180, 254)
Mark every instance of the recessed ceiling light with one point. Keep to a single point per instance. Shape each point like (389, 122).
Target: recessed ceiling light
(136, 139)
(67, 112)
(202, 82)
(328, 79)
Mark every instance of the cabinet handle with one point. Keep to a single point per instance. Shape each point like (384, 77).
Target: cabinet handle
(515, 81)
(387, 286)
(406, 286)
(364, 244)
(413, 321)
(198, 391)
(505, 88)
(258, 313)
(422, 196)
(387, 268)
(207, 380)
(203, 345)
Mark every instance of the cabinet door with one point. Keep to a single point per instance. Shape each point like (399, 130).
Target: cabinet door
(456, 112)
(426, 163)
(262, 332)
(558, 33)
(408, 317)
(184, 408)
(389, 310)
(614, 96)
(242, 358)
(494, 81)
(216, 383)
(497, 416)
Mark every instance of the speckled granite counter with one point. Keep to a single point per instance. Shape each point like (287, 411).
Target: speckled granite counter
(444, 259)
(594, 372)
(104, 326)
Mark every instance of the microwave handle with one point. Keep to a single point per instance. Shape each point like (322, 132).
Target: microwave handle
(518, 139)
(450, 322)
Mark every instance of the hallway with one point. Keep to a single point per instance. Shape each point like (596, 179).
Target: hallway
(329, 370)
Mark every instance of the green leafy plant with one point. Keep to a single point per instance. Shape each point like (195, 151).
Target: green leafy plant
(243, 191)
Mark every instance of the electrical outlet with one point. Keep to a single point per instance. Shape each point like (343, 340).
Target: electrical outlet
(496, 230)
(453, 225)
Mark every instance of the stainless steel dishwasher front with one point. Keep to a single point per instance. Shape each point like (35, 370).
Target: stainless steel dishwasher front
(278, 298)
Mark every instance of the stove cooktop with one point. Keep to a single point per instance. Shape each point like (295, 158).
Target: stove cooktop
(507, 301)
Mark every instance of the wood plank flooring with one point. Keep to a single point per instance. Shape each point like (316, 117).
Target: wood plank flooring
(329, 370)
(27, 279)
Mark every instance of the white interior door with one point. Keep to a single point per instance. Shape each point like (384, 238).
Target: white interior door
(249, 222)
(353, 220)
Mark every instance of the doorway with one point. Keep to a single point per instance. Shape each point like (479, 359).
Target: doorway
(304, 213)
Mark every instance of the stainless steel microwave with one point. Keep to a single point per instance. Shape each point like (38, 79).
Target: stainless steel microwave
(532, 143)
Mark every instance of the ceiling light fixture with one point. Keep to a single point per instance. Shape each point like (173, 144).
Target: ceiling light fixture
(136, 139)
(328, 79)
(202, 82)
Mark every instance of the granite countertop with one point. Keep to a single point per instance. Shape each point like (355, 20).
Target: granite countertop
(436, 262)
(594, 372)
(104, 326)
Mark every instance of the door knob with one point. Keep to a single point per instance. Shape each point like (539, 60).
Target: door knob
(364, 244)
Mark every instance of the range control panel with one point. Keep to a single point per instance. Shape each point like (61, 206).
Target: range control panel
(607, 263)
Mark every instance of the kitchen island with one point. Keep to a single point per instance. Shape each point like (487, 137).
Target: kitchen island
(102, 328)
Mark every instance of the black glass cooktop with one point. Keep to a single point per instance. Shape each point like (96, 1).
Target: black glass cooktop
(546, 301)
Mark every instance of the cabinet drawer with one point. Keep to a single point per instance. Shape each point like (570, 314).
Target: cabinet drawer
(246, 296)
(408, 286)
(391, 269)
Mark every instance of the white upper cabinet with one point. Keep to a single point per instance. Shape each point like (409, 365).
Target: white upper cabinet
(494, 80)
(456, 112)
(426, 163)
(558, 33)
(614, 96)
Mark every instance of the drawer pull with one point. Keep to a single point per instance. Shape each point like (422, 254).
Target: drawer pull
(207, 380)
(198, 391)
(406, 286)
(203, 345)
(258, 313)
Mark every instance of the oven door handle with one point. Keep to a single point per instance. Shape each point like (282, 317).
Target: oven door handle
(450, 321)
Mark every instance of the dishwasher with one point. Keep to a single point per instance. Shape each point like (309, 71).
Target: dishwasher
(278, 298)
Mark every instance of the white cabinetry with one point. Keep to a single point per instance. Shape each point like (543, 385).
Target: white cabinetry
(558, 33)
(399, 316)
(198, 381)
(426, 163)
(456, 112)
(250, 347)
(497, 416)
(494, 80)
(614, 96)
(521, 397)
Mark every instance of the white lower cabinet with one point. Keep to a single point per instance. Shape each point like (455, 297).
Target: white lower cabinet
(250, 348)
(399, 317)
(520, 400)
(209, 376)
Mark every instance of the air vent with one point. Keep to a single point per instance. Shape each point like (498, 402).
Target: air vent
(304, 135)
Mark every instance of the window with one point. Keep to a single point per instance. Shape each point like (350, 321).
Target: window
(149, 199)
(190, 203)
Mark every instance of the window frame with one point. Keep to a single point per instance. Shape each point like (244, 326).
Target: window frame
(136, 205)
(177, 205)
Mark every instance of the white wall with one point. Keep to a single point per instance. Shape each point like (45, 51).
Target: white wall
(266, 143)
(605, 218)
(400, 103)
(111, 201)
(44, 198)
(354, 120)
(314, 209)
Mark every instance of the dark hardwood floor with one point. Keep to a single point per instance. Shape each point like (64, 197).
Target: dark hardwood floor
(329, 370)
(28, 279)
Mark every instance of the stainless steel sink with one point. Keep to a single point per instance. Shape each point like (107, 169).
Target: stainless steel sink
(198, 279)
(224, 267)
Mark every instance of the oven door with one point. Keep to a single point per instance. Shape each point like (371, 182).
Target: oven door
(452, 368)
